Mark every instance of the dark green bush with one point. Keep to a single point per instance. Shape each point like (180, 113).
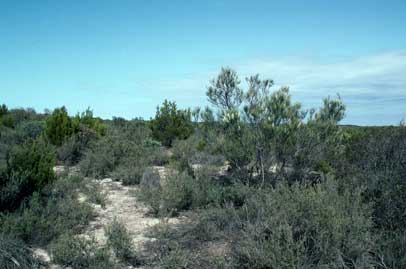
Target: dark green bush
(85, 120)
(171, 123)
(29, 168)
(59, 126)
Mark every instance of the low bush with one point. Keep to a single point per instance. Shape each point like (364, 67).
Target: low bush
(179, 192)
(392, 249)
(119, 240)
(73, 149)
(49, 214)
(305, 226)
(29, 168)
(76, 252)
(14, 254)
(150, 179)
(128, 175)
(177, 258)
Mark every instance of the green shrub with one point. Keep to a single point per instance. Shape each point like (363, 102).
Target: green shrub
(128, 175)
(119, 240)
(85, 120)
(31, 129)
(177, 258)
(117, 152)
(29, 168)
(49, 214)
(304, 226)
(59, 126)
(179, 192)
(76, 252)
(73, 149)
(14, 254)
(170, 123)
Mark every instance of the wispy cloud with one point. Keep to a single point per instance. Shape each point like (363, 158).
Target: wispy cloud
(373, 87)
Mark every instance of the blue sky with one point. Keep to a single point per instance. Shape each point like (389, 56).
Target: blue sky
(124, 57)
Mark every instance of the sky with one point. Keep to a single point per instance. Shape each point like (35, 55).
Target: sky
(123, 58)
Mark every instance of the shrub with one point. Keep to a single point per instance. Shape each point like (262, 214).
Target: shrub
(170, 123)
(128, 175)
(86, 120)
(73, 149)
(392, 249)
(151, 178)
(177, 258)
(119, 240)
(31, 129)
(77, 252)
(303, 226)
(29, 168)
(150, 191)
(14, 254)
(49, 214)
(121, 154)
(178, 192)
(59, 126)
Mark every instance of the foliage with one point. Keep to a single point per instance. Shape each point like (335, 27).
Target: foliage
(260, 128)
(29, 168)
(74, 148)
(87, 120)
(119, 240)
(121, 153)
(14, 254)
(49, 214)
(59, 126)
(302, 226)
(75, 252)
(171, 123)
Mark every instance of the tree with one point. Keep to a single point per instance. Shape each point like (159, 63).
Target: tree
(171, 123)
(59, 126)
(86, 119)
(260, 133)
(3, 110)
(261, 128)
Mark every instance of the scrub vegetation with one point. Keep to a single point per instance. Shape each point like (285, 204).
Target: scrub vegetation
(256, 180)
